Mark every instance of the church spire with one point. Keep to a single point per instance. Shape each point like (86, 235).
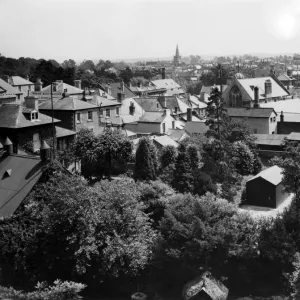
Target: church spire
(177, 51)
(177, 58)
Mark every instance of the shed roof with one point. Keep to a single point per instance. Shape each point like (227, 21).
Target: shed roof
(272, 175)
(25, 172)
(165, 140)
(176, 134)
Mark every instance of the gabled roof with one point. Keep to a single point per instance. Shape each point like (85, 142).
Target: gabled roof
(116, 88)
(15, 116)
(149, 103)
(8, 89)
(176, 134)
(272, 175)
(165, 140)
(68, 103)
(25, 172)
(104, 102)
(152, 117)
(249, 83)
(284, 77)
(243, 112)
(61, 87)
(18, 80)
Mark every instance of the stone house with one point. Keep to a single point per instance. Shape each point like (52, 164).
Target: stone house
(8, 93)
(23, 85)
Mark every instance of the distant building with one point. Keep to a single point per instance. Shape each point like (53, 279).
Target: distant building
(177, 58)
(23, 85)
(172, 87)
(286, 80)
(8, 93)
(266, 188)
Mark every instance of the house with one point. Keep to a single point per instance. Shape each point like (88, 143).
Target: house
(157, 122)
(18, 175)
(74, 114)
(140, 90)
(163, 141)
(259, 120)
(25, 126)
(205, 287)
(266, 188)
(58, 89)
(241, 92)
(8, 93)
(206, 90)
(23, 85)
(115, 88)
(286, 80)
(172, 87)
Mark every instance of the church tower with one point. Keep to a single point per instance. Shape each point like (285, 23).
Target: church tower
(177, 57)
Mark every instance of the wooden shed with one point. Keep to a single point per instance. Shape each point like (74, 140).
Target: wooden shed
(266, 189)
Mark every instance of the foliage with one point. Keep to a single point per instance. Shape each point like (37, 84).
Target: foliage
(145, 166)
(168, 156)
(66, 290)
(203, 183)
(126, 74)
(183, 177)
(295, 278)
(194, 156)
(243, 158)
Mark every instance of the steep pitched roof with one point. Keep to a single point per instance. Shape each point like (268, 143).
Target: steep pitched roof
(15, 116)
(272, 175)
(18, 80)
(152, 117)
(61, 87)
(25, 172)
(149, 103)
(68, 103)
(116, 88)
(8, 89)
(165, 140)
(249, 83)
(242, 112)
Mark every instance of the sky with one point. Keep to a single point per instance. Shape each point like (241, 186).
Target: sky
(127, 29)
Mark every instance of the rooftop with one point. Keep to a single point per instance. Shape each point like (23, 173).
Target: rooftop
(149, 103)
(261, 112)
(8, 89)
(115, 88)
(196, 127)
(18, 80)
(68, 103)
(272, 175)
(152, 117)
(165, 140)
(270, 139)
(62, 132)
(61, 87)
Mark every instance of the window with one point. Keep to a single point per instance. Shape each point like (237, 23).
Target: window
(78, 117)
(20, 88)
(164, 127)
(117, 111)
(274, 119)
(108, 112)
(101, 112)
(157, 105)
(90, 116)
(271, 120)
(173, 124)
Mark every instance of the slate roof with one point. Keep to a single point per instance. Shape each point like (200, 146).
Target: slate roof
(287, 106)
(104, 102)
(14, 116)
(172, 86)
(165, 140)
(116, 88)
(68, 103)
(270, 139)
(18, 80)
(272, 175)
(294, 136)
(148, 103)
(153, 117)
(25, 172)
(196, 127)
(8, 89)
(61, 86)
(176, 134)
(62, 132)
(242, 112)
(249, 83)
(284, 77)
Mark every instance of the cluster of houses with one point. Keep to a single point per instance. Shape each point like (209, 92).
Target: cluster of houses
(31, 114)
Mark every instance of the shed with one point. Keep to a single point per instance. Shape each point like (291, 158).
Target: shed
(266, 189)
(205, 287)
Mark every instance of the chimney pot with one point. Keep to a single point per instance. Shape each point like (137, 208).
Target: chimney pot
(38, 85)
(256, 97)
(189, 114)
(163, 73)
(281, 117)
(45, 151)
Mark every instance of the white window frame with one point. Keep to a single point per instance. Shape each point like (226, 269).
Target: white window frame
(107, 113)
(78, 120)
(90, 113)
(117, 111)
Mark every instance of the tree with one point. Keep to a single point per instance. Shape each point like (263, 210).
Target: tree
(183, 178)
(144, 168)
(87, 65)
(243, 158)
(70, 63)
(126, 75)
(168, 156)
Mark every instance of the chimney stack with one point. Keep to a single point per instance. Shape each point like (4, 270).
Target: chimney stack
(188, 96)
(32, 102)
(77, 83)
(38, 85)
(189, 114)
(59, 81)
(45, 151)
(256, 97)
(163, 73)
(281, 117)
(167, 112)
(8, 146)
(121, 96)
(108, 89)
(268, 89)
(122, 86)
